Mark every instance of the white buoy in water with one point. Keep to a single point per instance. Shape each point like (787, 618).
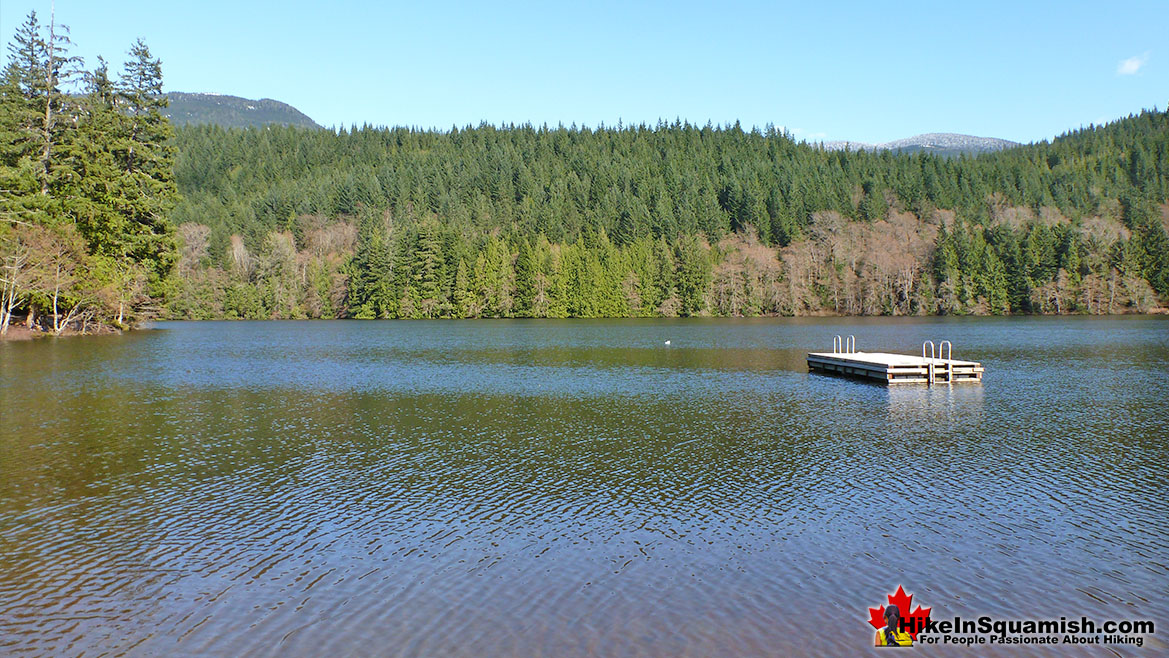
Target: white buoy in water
(667, 342)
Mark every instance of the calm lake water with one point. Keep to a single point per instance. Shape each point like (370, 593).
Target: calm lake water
(570, 488)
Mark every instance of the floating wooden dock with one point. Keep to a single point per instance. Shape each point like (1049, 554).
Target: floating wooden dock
(929, 368)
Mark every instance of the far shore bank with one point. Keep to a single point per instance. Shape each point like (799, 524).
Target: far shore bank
(19, 332)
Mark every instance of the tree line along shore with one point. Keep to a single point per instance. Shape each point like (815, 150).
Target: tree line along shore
(111, 216)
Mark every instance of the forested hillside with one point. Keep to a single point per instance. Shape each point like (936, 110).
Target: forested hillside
(232, 111)
(672, 219)
(519, 221)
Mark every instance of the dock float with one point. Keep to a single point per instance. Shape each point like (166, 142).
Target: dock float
(929, 368)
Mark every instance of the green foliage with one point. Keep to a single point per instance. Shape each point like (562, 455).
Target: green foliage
(1151, 244)
(371, 293)
(525, 276)
(93, 169)
(515, 221)
(873, 206)
(665, 181)
(693, 275)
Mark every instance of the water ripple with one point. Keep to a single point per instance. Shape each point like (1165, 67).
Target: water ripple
(570, 488)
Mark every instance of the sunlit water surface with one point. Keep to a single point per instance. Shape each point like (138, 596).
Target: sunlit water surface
(570, 488)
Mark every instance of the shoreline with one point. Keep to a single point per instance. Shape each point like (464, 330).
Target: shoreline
(20, 333)
(817, 315)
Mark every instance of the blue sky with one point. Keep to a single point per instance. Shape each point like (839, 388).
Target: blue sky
(864, 71)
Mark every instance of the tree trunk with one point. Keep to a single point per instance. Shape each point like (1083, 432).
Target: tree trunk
(5, 309)
(56, 294)
(47, 127)
(7, 301)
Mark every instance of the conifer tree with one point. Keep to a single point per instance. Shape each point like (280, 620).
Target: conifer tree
(525, 280)
(371, 272)
(461, 292)
(694, 271)
(426, 269)
(146, 191)
(35, 89)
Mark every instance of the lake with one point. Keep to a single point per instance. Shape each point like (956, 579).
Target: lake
(565, 488)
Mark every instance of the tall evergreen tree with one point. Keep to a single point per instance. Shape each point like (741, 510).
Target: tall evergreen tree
(427, 271)
(146, 191)
(525, 280)
(693, 275)
(371, 293)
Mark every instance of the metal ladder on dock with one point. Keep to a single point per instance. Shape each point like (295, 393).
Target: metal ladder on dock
(935, 374)
(841, 346)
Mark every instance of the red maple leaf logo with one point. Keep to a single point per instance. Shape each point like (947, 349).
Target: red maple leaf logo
(912, 622)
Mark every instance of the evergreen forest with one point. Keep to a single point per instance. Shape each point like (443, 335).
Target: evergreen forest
(110, 216)
(666, 220)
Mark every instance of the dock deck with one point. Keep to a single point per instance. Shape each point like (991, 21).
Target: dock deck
(894, 368)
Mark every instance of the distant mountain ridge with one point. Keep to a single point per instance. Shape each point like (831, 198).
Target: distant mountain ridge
(947, 144)
(233, 111)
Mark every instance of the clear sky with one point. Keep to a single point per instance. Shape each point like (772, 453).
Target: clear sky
(865, 71)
